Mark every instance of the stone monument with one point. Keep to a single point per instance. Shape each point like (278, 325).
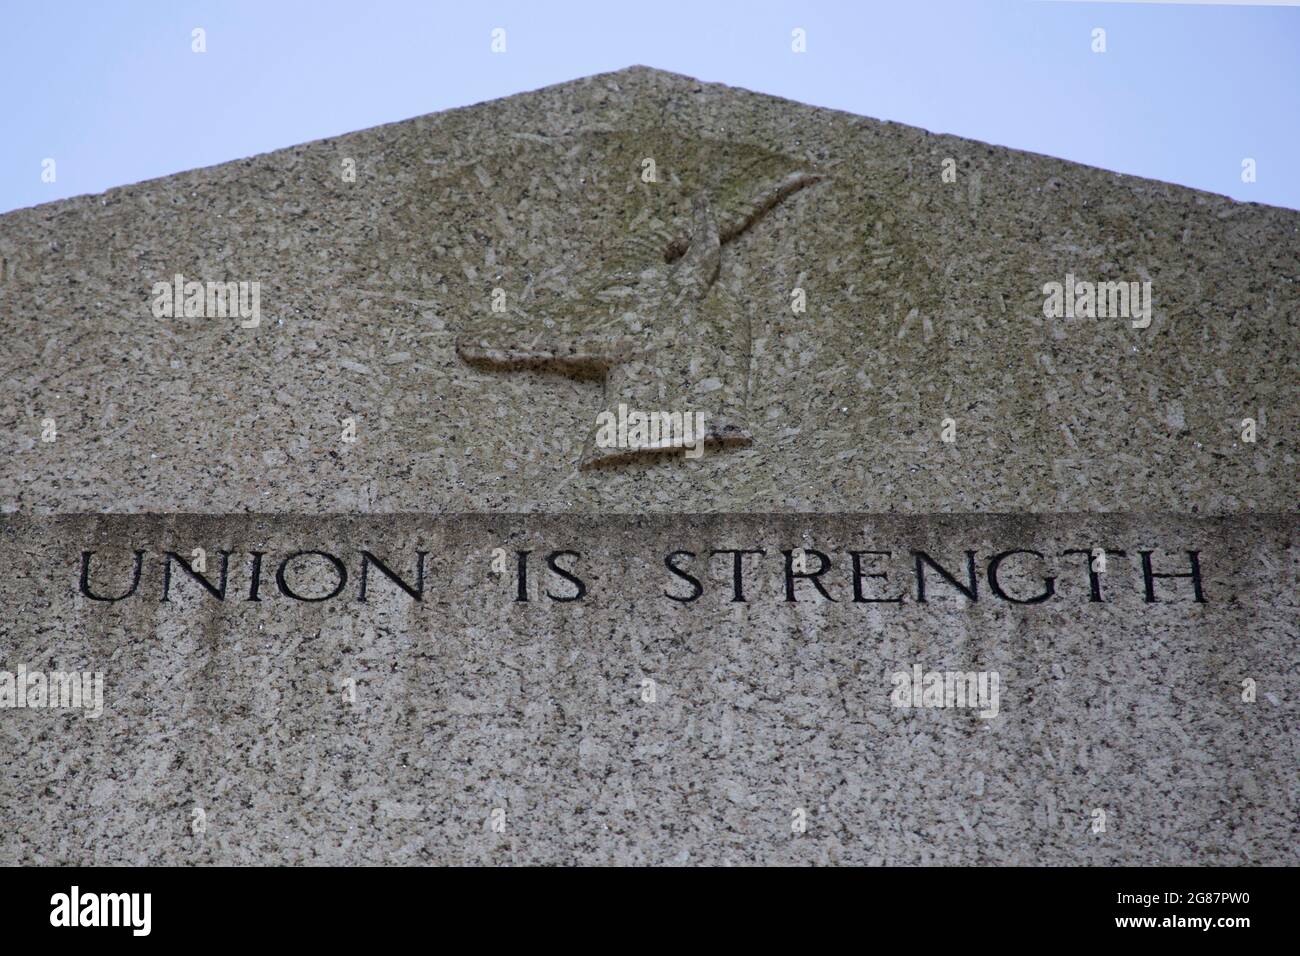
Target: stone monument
(646, 471)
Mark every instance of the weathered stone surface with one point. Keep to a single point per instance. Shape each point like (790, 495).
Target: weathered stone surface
(924, 302)
(470, 701)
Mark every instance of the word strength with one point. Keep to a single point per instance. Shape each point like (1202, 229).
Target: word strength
(1015, 576)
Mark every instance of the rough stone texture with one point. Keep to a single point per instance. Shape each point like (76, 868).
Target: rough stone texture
(471, 701)
(925, 301)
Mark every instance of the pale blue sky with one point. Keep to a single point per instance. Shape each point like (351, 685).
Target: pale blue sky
(113, 93)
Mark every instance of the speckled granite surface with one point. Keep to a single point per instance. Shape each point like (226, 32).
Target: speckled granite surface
(470, 701)
(924, 302)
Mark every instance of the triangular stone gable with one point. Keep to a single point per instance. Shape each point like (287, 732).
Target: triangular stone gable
(924, 303)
